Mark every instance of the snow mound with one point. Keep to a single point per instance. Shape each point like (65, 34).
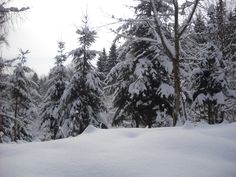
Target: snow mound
(190, 151)
(90, 129)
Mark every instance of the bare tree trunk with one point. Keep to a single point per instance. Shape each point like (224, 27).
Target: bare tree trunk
(176, 112)
(174, 55)
(176, 66)
(184, 109)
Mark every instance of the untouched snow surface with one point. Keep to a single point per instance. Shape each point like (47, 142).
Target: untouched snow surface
(206, 151)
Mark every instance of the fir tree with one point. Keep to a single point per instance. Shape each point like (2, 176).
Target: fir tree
(221, 31)
(102, 63)
(200, 29)
(210, 86)
(56, 84)
(112, 58)
(35, 78)
(81, 102)
(6, 118)
(22, 91)
(231, 49)
(143, 95)
(163, 19)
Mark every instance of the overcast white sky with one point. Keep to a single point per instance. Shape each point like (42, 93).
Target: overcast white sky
(51, 20)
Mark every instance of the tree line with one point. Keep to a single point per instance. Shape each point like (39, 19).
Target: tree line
(176, 63)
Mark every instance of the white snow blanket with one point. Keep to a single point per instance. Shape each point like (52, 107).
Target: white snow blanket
(188, 151)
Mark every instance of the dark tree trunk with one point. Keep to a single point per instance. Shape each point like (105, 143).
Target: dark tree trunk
(1, 127)
(15, 121)
(176, 112)
(137, 123)
(210, 115)
(176, 66)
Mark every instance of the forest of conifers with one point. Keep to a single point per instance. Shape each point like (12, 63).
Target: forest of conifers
(169, 64)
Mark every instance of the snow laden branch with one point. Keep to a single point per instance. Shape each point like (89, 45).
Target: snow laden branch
(190, 16)
(11, 9)
(20, 122)
(119, 35)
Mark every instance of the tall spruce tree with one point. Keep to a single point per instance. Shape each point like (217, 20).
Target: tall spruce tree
(164, 21)
(5, 115)
(143, 95)
(81, 102)
(231, 48)
(56, 83)
(6, 118)
(221, 31)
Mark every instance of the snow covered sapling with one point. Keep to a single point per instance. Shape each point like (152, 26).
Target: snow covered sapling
(81, 102)
(56, 84)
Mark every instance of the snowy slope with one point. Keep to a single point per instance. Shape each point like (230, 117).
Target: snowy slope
(206, 151)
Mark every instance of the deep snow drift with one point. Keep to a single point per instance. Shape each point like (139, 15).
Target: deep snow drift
(206, 151)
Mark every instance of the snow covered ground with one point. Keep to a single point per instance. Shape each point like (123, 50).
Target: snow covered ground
(203, 151)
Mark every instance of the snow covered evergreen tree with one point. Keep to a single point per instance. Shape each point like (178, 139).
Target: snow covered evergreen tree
(210, 88)
(217, 27)
(221, 31)
(143, 95)
(168, 32)
(56, 83)
(6, 118)
(22, 103)
(81, 102)
(231, 48)
(112, 58)
(102, 64)
(200, 29)
(5, 111)
(35, 78)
